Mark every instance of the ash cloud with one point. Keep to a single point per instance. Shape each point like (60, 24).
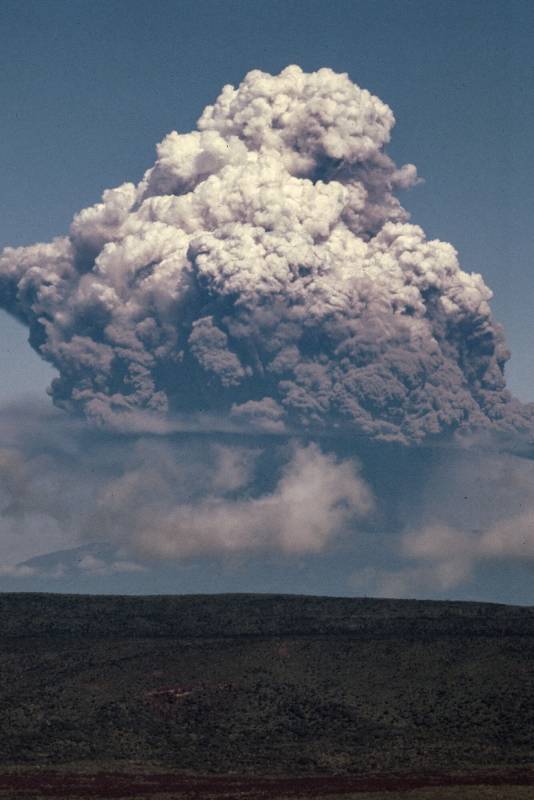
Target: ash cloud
(258, 292)
(264, 272)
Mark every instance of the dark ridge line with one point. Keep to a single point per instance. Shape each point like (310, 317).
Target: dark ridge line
(263, 596)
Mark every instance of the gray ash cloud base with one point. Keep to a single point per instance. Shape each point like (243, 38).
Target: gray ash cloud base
(264, 271)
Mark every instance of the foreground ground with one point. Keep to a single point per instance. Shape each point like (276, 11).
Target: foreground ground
(265, 685)
(26, 784)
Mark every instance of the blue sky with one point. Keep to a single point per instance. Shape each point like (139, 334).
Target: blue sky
(89, 87)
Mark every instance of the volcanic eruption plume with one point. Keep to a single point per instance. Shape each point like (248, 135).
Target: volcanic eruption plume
(264, 271)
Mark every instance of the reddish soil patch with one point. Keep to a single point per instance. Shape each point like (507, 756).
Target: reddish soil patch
(120, 784)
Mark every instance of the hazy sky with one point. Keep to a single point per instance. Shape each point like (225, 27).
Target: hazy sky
(89, 88)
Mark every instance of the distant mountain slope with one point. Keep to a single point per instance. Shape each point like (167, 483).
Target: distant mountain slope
(266, 683)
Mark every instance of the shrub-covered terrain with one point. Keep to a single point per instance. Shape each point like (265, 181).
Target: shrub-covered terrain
(261, 684)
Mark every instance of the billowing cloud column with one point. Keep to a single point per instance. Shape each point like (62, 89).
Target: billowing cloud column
(264, 271)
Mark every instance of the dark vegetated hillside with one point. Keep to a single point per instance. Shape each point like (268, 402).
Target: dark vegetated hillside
(266, 684)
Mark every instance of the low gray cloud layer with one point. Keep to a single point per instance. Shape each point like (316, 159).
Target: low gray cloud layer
(473, 510)
(264, 271)
(167, 497)
(399, 521)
